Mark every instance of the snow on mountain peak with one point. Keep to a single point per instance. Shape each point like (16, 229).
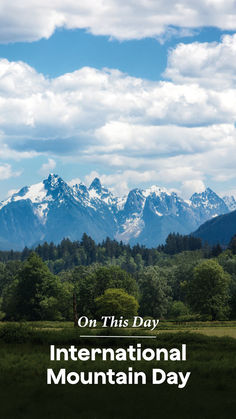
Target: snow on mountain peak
(157, 190)
(80, 188)
(96, 185)
(230, 201)
(144, 215)
(206, 198)
(93, 193)
(36, 193)
(53, 179)
(120, 202)
(53, 182)
(209, 204)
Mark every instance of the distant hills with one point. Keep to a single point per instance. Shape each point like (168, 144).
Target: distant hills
(51, 210)
(218, 230)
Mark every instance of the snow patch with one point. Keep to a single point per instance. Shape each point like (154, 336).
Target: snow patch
(36, 193)
(120, 203)
(41, 211)
(93, 194)
(158, 213)
(132, 228)
(230, 202)
(155, 190)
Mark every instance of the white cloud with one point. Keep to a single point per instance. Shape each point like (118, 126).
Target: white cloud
(30, 20)
(6, 172)
(12, 192)
(117, 137)
(74, 181)
(106, 108)
(143, 131)
(230, 192)
(48, 167)
(8, 153)
(191, 186)
(121, 182)
(208, 64)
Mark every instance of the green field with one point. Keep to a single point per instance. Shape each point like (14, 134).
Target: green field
(24, 359)
(219, 331)
(217, 328)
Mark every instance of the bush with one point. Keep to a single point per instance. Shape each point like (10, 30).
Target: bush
(177, 310)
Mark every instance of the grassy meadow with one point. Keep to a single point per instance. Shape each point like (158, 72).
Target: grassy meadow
(210, 392)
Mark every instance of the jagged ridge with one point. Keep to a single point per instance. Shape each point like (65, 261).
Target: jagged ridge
(51, 210)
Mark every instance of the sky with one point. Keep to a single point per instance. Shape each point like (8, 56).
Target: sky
(137, 93)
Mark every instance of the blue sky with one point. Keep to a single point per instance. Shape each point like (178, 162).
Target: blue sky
(141, 96)
(67, 50)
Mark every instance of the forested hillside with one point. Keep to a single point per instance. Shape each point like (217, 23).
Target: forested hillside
(218, 229)
(68, 254)
(179, 280)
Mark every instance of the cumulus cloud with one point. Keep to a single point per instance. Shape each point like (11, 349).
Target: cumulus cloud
(6, 172)
(142, 131)
(207, 64)
(74, 181)
(48, 167)
(12, 192)
(191, 186)
(122, 137)
(90, 107)
(89, 177)
(30, 20)
(122, 181)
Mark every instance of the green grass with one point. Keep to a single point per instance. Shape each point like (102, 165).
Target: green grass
(213, 331)
(217, 328)
(24, 359)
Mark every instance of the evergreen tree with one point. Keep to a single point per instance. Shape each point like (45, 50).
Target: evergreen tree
(232, 245)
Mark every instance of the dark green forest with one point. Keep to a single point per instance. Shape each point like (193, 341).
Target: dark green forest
(182, 280)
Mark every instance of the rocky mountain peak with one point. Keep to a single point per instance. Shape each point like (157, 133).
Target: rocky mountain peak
(57, 187)
(147, 216)
(230, 202)
(96, 185)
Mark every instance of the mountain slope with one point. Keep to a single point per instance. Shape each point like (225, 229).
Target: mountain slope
(149, 215)
(209, 204)
(218, 230)
(230, 202)
(51, 210)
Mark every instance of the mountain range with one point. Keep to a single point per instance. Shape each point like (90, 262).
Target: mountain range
(52, 209)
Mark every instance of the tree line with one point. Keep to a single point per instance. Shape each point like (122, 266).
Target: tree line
(68, 254)
(189, 284)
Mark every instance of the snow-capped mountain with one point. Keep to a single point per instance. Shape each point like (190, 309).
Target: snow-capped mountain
(230, 202)
(209, 204)
(150, 215)
(51, 210)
